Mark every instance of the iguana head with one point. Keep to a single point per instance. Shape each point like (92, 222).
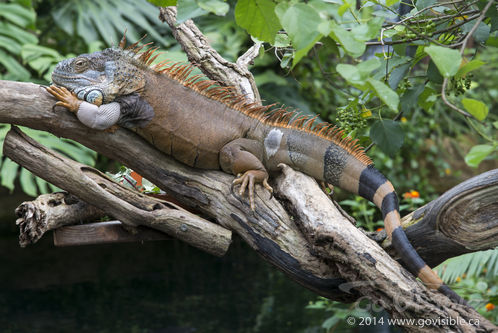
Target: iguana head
(101, 76)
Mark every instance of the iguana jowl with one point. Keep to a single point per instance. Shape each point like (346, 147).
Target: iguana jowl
(207, 126)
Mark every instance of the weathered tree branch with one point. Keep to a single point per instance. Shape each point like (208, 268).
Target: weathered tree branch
(211, 63)
(130, 207)
(49, 212)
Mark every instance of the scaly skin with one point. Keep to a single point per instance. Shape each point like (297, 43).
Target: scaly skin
(210, 128)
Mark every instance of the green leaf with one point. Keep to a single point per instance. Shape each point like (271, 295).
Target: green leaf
(17, 14)
(370, 30)
(27, 181)
(350, 73)
(476, 108)
(281, 40)
(258, 18)
(188, 9)
(427, 98)
(14, 69)
(216, 7)
(386, 94)
(433, 73)
(468, 67)
(368, 66)
(327, 324)
(8, 173)
(388, 135)
(347, 41)
(304, 51)
(447, 60)
(391, 2)
(410, 97)
(12, 31)
(163, 3)
(477, 154)
(357, 75)
(421, 4)
(343, 8)
(481, 34)
(301, 23)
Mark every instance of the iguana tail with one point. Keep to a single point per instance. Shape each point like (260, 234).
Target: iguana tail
(373, 186)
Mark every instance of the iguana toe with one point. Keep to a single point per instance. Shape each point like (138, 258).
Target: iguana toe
(248, 181)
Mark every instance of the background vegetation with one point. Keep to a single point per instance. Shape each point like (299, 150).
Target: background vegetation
(380, 69)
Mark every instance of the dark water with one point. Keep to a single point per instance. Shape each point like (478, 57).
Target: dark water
(156, 287)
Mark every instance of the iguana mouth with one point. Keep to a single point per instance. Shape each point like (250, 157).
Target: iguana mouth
(69, 80)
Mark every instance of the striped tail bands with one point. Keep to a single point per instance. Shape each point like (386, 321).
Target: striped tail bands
(374, 187)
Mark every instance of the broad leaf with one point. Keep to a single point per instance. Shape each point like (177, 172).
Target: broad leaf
(386, 94)
(163, 3)
(304, 51)
(476, 108)
(410, 97)
(447, 60)
(477, 154)
(188, 9)
(427, 98)
(216, 7)
(28, 184)
(8, 173)
(388, 135)
(350, 73)
(468, 67)
(301, 23)
(348, 42)
(258, 18)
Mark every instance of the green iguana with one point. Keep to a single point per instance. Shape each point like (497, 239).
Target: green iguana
(208, 126)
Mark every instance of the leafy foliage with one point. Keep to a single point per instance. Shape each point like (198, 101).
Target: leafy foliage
(14, 21)
(474, 275)
(107, 20)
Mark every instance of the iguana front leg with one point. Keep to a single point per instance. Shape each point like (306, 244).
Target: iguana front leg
(101, 117)
(242, 157)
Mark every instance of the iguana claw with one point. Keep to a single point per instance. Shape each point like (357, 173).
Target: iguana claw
(65, 98)
(248, 181)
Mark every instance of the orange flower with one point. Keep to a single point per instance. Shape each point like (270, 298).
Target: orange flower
(411, 195)
(458, 279)
(379, 229)
(490, 306)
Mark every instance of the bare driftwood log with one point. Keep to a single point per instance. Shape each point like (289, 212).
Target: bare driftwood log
(130, 207)
(49, 212)
(104, 233)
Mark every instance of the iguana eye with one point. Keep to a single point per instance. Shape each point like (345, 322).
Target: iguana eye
(80, 64)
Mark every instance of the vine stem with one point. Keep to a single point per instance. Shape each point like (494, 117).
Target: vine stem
(462, 49)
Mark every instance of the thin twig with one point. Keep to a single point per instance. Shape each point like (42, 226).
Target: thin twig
(462, 49)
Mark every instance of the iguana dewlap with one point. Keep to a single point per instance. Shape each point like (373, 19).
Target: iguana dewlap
(207, 126)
